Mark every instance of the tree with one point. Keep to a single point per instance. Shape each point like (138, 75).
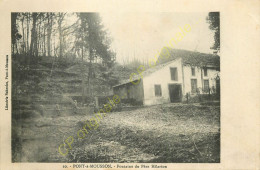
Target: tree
(33, 45)
(50, 21)
(44, 36)
(15, 35)
(60, 17)
(40, 19)
(214, 24)
(28, 15)
(80, 43)
(93, 40)
(22, 18)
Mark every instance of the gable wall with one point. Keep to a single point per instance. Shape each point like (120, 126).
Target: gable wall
(162, 77)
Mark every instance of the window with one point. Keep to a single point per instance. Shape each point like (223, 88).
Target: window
(206, 86)
(174, 74)
(157, 90)
(193, 71)
(193, 85)
(205, 72)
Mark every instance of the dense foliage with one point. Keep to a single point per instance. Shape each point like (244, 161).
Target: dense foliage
(214, 24)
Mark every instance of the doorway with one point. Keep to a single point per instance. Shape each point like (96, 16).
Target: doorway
(175, 93)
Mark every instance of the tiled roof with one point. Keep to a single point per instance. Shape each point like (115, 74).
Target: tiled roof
(168, 55)
(148, 70)
(189, 57)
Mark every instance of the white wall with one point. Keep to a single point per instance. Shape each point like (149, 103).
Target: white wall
(212, 73)
(162, 77)
(188, 76)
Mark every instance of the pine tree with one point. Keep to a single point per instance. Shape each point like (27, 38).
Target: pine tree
(93, 40)
(214, 21)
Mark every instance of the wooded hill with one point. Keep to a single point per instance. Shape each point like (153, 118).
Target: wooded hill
(60, 57)
(55, 81)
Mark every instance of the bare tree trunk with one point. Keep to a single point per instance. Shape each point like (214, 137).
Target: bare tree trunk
(54, 46)
(28, 28)
(33, 36)
(82, 74)
(90, 71)
(60, 20)
(60, 38)
(27, 38)
(44, 40)
(39, 38)
(36, 50)
(49, 32)
(24, 45)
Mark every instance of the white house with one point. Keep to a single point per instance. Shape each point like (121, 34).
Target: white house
(183, 73)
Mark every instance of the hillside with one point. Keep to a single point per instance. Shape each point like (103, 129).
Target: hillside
(51, 82)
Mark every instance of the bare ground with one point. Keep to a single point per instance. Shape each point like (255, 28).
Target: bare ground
(162, 133)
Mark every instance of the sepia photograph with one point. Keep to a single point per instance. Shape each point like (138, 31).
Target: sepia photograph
(127, 87)
(98, 84)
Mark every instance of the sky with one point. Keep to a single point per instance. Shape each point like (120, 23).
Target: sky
(142, 35)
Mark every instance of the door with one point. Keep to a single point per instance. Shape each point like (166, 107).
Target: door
(175, 93)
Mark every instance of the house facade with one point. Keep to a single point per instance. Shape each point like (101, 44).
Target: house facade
(170, 82)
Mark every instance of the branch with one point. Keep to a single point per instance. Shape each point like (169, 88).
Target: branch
(196, 146)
